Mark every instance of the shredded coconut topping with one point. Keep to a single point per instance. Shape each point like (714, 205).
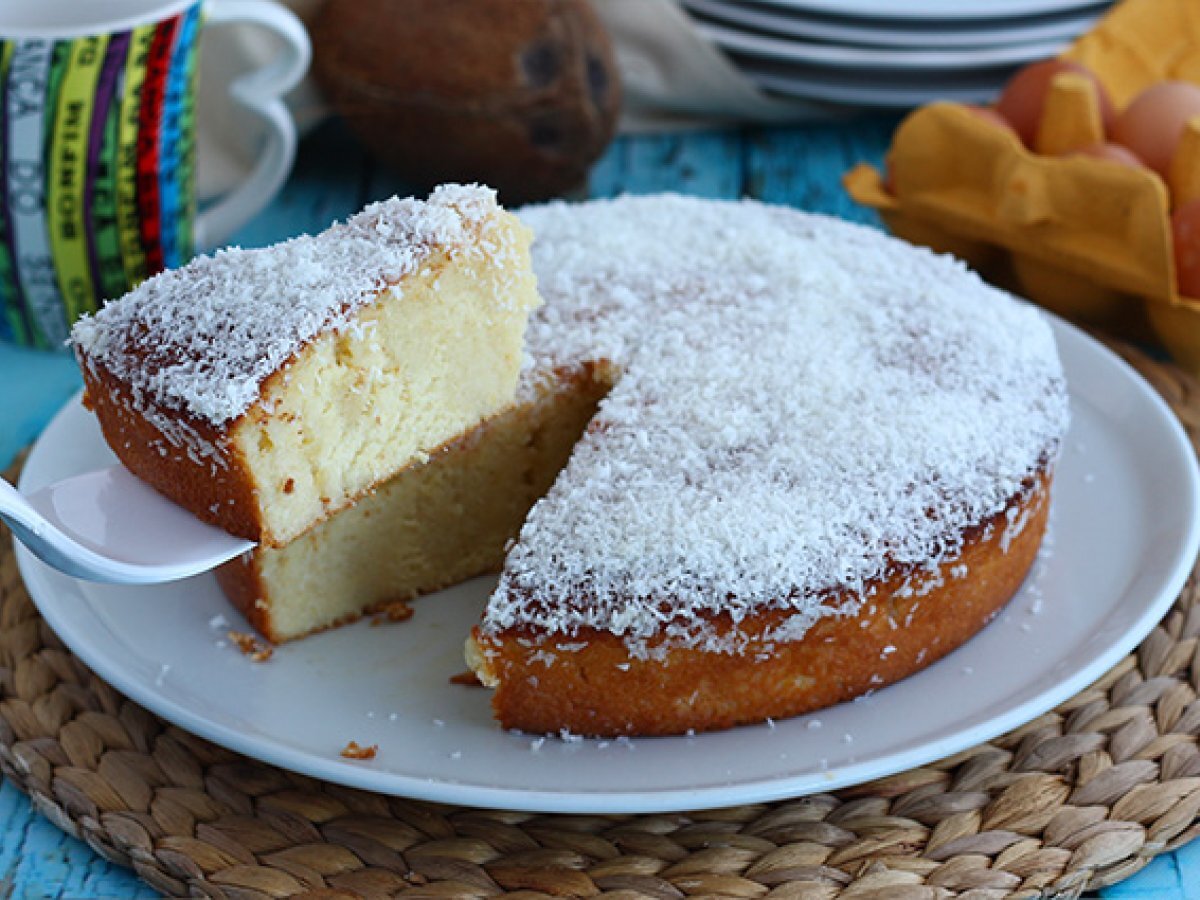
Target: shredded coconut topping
(202, 339)
(803, 405)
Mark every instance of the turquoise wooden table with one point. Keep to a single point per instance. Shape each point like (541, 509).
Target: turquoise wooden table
(798, 166)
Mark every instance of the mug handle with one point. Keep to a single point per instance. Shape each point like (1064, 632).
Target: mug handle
(261, 92)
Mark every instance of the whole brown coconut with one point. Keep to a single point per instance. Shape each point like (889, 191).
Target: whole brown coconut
(522, 95)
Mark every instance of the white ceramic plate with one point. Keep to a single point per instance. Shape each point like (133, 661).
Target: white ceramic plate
(881, 33)
(938, 10)
(884, 60)
(1124, 534)
(868, 89)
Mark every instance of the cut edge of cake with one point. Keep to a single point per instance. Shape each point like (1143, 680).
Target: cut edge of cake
(433, 525)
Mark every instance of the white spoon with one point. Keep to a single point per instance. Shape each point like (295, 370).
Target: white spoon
(108, 526)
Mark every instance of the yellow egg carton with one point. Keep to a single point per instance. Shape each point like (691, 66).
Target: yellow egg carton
(1084, 237)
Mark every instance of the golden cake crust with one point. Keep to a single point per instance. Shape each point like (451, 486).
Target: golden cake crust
(594, 686)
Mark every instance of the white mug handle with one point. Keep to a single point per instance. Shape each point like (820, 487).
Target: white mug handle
(261, 92)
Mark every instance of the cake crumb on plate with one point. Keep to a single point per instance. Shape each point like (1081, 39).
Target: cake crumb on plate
(253, 647)
(352, 750)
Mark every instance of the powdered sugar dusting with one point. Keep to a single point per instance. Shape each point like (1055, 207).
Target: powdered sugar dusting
(803, 404)
(201, 339)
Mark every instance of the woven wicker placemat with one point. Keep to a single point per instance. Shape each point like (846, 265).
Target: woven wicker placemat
(1079, 798)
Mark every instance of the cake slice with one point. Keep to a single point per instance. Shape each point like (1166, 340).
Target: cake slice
(266, 389)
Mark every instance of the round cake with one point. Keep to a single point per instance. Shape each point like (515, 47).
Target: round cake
(824, 462)
(758, 461)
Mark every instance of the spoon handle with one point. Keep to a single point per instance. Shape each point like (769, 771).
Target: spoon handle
(105, 525)
(44, 540)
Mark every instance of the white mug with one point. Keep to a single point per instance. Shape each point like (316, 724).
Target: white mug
(98, 147)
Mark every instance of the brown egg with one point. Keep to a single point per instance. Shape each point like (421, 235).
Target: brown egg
(1024, 97)
(1185, 233)
(1111, 152)
(1151, 125)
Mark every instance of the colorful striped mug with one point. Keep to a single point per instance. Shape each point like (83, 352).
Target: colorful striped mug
(97, 148)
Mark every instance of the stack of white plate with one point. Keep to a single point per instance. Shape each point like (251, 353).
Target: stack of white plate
(889, 53)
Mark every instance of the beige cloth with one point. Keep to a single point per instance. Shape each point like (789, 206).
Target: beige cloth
(673, 77)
